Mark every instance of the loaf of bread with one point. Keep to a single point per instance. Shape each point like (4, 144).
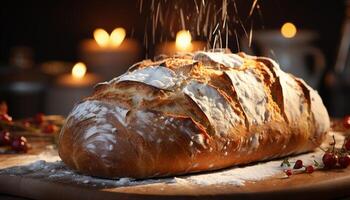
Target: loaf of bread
(192, 113)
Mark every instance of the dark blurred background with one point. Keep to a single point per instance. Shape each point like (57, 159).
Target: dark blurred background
(53, 30)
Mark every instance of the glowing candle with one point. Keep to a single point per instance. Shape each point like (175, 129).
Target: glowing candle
(70, 88)
(78, 77)
(182, 44)
(117, 37)
(109, 55)
(79, 70)
(183, 41)
(288, 30)
(101, 37)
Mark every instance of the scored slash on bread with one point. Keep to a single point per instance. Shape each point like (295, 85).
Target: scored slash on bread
(192, 113)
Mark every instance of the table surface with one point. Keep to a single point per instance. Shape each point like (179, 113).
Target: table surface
(322, 184)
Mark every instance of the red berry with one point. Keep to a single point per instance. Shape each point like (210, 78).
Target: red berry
(309, 169)
(5, 117)
(288, 172)
(5, 138)
(344, 161)
(298, 164)
(26, 123)
(20, 144)
(50, 128)
(346, 122)
(3, 107)
(329, 160)
(39, 118)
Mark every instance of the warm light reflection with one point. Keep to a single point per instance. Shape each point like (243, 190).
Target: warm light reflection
(288, 30)
(117, 37)
(101, 37)
(183, 40)
(79, 70)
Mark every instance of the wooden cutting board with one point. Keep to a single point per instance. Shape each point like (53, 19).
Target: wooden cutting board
(318, 185)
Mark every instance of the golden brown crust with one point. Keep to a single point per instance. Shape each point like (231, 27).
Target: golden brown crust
(194, 113)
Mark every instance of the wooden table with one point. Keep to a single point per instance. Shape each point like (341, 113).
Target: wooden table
(318, 185)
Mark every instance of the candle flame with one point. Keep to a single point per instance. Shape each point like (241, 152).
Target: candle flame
(101, 37)
(79, 70)
(117, 37)
(288, 30)
(183, 40)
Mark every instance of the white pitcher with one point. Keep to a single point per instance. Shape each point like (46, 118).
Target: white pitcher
(291, 53)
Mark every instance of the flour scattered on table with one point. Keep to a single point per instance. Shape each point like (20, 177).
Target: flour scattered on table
(57, 171)
(48, 166)
(239, 175)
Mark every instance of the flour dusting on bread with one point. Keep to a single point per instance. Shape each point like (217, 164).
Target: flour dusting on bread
(210, 58)
(156, 76)
(192, 113)
(251, 95)
(214, 105)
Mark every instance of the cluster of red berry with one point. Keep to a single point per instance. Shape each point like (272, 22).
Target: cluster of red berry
(18, 144)
(332, 158)
(297, 166)
(338, 158)
(39, 121)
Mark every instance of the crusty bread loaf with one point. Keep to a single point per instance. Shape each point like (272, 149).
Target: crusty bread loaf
(192, 113)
